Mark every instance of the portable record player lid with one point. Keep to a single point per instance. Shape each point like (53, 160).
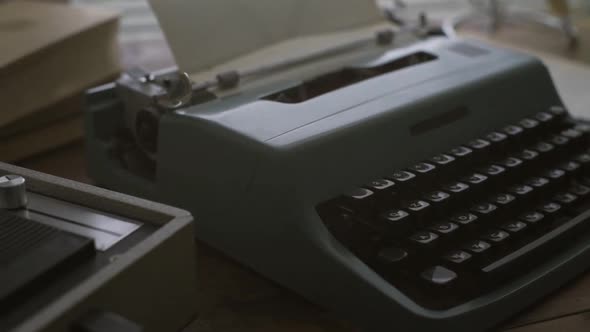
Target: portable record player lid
(206, 33)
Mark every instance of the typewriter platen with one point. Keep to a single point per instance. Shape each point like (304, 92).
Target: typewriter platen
(435, 184)
(78, 258)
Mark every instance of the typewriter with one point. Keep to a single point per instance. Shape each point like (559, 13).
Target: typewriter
(83, 259)
(416, 183)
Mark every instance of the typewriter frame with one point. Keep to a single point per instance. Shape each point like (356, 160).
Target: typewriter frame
(243, 141)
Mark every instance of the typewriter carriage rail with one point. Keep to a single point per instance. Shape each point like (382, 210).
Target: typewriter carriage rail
(241, 152)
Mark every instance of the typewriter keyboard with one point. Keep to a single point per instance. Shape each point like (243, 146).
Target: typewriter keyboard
(462, 222)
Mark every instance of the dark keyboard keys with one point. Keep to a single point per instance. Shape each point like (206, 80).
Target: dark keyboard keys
(474, 210)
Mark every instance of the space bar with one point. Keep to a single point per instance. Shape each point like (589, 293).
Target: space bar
(537, 245)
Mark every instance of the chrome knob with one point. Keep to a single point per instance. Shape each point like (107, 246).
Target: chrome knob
(13, 192)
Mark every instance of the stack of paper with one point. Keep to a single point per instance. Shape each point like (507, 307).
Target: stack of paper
(49, 54)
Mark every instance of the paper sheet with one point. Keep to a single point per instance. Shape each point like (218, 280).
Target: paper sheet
(205, 33)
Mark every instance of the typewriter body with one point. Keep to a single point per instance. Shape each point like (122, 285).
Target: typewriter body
(78, 258)
(426, 184)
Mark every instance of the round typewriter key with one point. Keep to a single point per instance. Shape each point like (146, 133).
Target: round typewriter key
(478, 144)
(531, 217)
(496, 137)
(380, 184)
(579, 189)
(442, 159)
(437, 196)
(514, 226)
(464, 218)
(520, 189)
(503, 198)
(512, 130)
(497, 236)
(570, 166)
(417, 205)
(543, 147)
(423, 167)
(445, 227)
(402, 176)
(511, 162)
(493, 170)
(529, 123)
(558, 110)
(572, 133)
(537, 182)
(559, 140)
(478, 246)
(555, 173)
(424, 237)
(395, 215)
(457, 256)
(484, 208)
(476, 178)
(585, 128)
(543, 117)
(528, 154)
(456, 187)
(550, 207)
(461, 151)
(565, 198)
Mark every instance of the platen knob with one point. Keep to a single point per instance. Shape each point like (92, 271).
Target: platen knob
(13, 192)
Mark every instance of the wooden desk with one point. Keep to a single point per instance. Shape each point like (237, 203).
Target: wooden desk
(236, 299)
